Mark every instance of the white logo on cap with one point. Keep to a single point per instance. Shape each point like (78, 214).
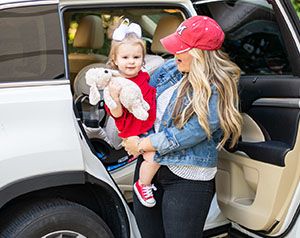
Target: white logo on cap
(180, 29)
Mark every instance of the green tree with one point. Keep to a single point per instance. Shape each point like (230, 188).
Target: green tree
(296, 4)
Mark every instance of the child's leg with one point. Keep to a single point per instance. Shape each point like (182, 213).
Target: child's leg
(143, 187)
(147, 171)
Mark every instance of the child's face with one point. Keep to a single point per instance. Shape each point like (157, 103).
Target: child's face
(129, 59)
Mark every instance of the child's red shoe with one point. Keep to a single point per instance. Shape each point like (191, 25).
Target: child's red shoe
(145, 194)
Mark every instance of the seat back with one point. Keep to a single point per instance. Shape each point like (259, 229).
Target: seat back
(89, 35)
(165, 26)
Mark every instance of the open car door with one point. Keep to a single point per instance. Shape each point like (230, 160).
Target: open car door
(258, 185)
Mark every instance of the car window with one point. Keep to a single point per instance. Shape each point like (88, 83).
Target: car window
(147, 18)
(89, 34)
(296, 5)
(253, 39)
(30, 44)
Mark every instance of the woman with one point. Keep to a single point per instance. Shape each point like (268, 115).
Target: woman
(196, 114)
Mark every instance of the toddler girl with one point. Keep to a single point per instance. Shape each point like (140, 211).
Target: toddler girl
(127, 56)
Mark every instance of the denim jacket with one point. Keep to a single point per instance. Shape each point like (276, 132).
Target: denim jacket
(189, 145)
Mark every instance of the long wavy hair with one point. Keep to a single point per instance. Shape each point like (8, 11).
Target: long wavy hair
(207, 68)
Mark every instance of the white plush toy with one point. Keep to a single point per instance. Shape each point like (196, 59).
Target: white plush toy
(130, 94)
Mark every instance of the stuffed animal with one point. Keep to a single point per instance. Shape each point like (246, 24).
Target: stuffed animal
(130, 94)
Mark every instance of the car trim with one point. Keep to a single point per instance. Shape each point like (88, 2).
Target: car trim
(39, 182)
(34, 83)
(237, 231)
(288, 22)
(13, 4)
(278, 102)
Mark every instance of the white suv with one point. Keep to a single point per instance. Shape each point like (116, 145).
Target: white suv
(60, 177)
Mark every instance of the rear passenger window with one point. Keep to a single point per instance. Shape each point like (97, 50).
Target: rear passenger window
(30, 44)
(253, 39)
(89, 34)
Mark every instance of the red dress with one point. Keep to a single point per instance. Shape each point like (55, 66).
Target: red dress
(127, 124)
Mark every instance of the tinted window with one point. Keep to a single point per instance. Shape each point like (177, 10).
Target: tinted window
(253, 39)
(30, 44)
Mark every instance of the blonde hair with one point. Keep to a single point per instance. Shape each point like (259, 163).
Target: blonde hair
(130, 38)
(210, 68)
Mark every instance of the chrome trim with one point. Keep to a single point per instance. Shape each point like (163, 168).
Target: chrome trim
(64, 38)
(199, 2)
(34, 83)
(204, 1)
(287, 20)
(278, 102)
(64, 233)
(13, 4)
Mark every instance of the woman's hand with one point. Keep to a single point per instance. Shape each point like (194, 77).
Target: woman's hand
(131, 145)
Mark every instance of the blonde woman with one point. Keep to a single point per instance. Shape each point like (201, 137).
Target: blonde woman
(196, 114)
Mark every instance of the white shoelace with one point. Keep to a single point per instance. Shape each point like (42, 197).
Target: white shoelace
(147, 190)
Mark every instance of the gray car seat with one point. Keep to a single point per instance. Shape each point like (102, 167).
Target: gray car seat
(105, 129)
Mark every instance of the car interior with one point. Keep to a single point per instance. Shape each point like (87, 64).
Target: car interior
(256, 180)
(267, 155)
(89, 36)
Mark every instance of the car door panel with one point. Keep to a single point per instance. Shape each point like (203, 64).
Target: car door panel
(37, 119)
(257, 179)
(261, 176)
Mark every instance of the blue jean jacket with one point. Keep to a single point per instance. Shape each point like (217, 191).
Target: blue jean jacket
(189, 145)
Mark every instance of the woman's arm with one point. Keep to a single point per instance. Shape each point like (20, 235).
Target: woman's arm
(172, 139)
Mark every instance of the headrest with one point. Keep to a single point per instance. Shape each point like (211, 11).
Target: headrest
(165, 26)
(90, 33)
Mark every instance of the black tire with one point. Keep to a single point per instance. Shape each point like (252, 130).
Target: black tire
(54, 218)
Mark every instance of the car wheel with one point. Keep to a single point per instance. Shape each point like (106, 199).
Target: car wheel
(54, 218)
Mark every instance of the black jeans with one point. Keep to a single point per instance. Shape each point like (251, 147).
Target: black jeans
(181, 206)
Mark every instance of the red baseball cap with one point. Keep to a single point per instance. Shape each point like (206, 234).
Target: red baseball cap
(199, 32)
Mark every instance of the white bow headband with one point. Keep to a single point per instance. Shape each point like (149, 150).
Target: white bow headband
(126, 28)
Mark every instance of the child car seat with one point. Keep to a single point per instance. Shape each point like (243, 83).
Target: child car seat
(98, 125)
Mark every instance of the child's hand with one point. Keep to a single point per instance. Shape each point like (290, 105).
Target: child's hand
(114, 91)
(148, 156)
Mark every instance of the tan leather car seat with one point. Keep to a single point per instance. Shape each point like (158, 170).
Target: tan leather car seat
(89, 35)
(165, 26)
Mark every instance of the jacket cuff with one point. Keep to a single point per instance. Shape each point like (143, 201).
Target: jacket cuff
(163, 142)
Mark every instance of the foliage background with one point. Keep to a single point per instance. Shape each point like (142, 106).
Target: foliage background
(296, 4)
